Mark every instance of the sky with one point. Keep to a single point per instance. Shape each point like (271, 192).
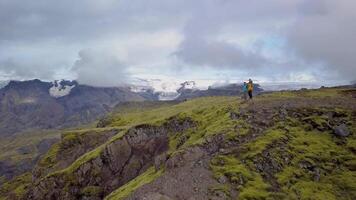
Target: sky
(118, 42)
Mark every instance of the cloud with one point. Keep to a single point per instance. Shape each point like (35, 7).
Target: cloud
(319, 36)
(325, 32)
(270, 39)
(214, 35)
(221, 54)
(99, 68)
(14, 69)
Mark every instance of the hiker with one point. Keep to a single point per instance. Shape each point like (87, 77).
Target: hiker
(244, 91)
(250, 88)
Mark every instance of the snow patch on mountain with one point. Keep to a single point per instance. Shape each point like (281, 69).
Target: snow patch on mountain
(165, 89)
(61, 88)
(3, 83)
(189, 85)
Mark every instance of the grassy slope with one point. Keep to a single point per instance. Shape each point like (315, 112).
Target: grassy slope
(337, 179)
(204, 111)
(213, 117)
(9, 146)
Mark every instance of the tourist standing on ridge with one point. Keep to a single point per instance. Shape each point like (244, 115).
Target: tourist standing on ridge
(250, 88)
(244, 91)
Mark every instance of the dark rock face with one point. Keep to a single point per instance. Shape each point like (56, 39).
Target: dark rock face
(71, 149)
(119, 162)
(28, 105)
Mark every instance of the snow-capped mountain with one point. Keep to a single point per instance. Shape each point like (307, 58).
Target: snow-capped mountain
(188, 85)
(61, 88)
(161, 89)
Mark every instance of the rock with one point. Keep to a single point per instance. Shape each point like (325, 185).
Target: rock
(234, 116)
(316, 174)
(222, 179)
(156, 196)
(24, 150)
(341, 130)
(160, 160)
(103, 122)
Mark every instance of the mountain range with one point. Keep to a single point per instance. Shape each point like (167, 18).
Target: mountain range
(38, 105)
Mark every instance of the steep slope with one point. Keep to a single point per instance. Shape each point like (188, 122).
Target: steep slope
(284, 145)
(20, 153)
(29, 110)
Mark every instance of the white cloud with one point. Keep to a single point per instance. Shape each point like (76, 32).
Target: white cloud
(41, 39)
(100, 68)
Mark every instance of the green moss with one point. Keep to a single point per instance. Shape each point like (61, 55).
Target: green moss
(309, 190)
(248, 182)
(255, 189)
(256, 147)
(290, 175)
(197, 107)
(311, 93)
(313, 150)
(90, 191)
(316, 147)
(230, 167)
(216, 189)
(79, 162)
(17, 186)
(50, 157)
(211, 118)
(351, 144)
(145, 178)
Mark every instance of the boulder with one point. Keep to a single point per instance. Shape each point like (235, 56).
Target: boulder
(341, 130)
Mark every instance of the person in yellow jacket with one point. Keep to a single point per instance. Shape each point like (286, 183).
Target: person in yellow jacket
(250, 88)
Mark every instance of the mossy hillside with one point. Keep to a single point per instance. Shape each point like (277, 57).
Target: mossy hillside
(210, 121)
(322, 166)
(69, 139)
(253, 148)
(92, 191)
(211, 113)
(16, 187)
(136, 107)
(212, 116)
(309, 93)
(124, 191)
(87, 157)
(196, 107)
(319, 168)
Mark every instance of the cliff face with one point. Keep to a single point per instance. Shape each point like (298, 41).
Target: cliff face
(283, 145)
